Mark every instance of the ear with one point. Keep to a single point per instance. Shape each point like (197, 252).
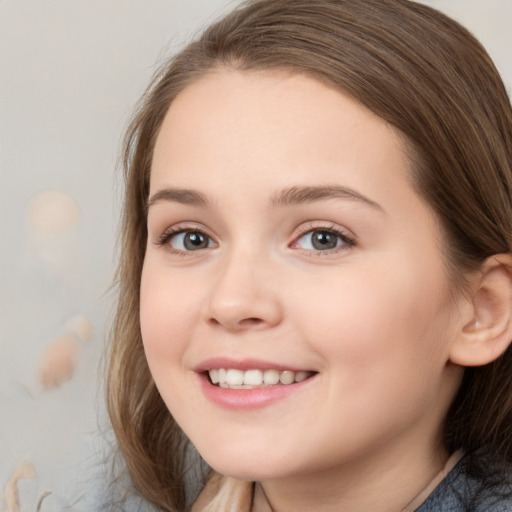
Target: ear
(487, 318)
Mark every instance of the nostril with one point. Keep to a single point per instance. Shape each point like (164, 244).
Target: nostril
(248, 322)
(235, 324)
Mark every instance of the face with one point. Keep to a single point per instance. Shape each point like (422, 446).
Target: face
(295, 307)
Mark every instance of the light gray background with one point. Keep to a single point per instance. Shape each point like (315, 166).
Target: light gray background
(71, 72)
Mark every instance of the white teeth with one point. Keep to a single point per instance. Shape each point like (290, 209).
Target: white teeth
(234, 377)
(300, 376)
(287, 377)
(253, 377)
(239, 379)
(214, 376)
(271, 377)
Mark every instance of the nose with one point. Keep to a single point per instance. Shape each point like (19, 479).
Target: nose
(244, 295)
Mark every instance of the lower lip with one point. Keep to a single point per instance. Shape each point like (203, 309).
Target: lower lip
(249, 398)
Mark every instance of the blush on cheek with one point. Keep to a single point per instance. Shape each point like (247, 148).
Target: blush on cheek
(165, 334)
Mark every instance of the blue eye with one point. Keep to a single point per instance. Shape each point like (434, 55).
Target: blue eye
(189, 240)
(322, 240)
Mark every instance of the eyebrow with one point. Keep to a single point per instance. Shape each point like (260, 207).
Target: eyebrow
(178, 195)
(287, 197)
(299, 195)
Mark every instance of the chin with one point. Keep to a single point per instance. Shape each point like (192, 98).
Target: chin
(240, 468)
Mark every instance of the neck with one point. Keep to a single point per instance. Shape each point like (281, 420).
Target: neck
(387, 482)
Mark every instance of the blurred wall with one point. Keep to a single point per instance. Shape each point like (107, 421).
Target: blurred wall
(70, 74)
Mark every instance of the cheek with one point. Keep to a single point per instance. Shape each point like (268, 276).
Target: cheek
(166, 314)
(380, 324)
(383, 349)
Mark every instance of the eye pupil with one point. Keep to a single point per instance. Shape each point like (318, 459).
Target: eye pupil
(195, 240)
(323, 240)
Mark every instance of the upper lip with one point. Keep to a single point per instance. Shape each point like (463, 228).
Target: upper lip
(244, 364)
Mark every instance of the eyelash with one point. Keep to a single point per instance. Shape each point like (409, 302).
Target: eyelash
(172, 232)
(347, 241)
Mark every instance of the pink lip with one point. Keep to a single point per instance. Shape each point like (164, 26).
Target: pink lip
(243, 364)
(244, 399)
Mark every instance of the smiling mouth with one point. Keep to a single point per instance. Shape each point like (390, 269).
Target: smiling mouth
(232, 378)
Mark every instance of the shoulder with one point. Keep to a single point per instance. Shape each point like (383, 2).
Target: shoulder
(459, 492)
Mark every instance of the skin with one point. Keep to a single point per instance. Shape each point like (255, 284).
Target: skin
(375, 317)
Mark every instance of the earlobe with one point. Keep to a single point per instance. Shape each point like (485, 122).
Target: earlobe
(486, 333)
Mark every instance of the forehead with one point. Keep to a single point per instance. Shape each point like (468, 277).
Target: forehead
(250, 121)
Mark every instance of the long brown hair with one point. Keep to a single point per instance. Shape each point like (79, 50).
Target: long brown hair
(415, 68)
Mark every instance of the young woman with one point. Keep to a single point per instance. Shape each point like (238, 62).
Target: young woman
(315, 287)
